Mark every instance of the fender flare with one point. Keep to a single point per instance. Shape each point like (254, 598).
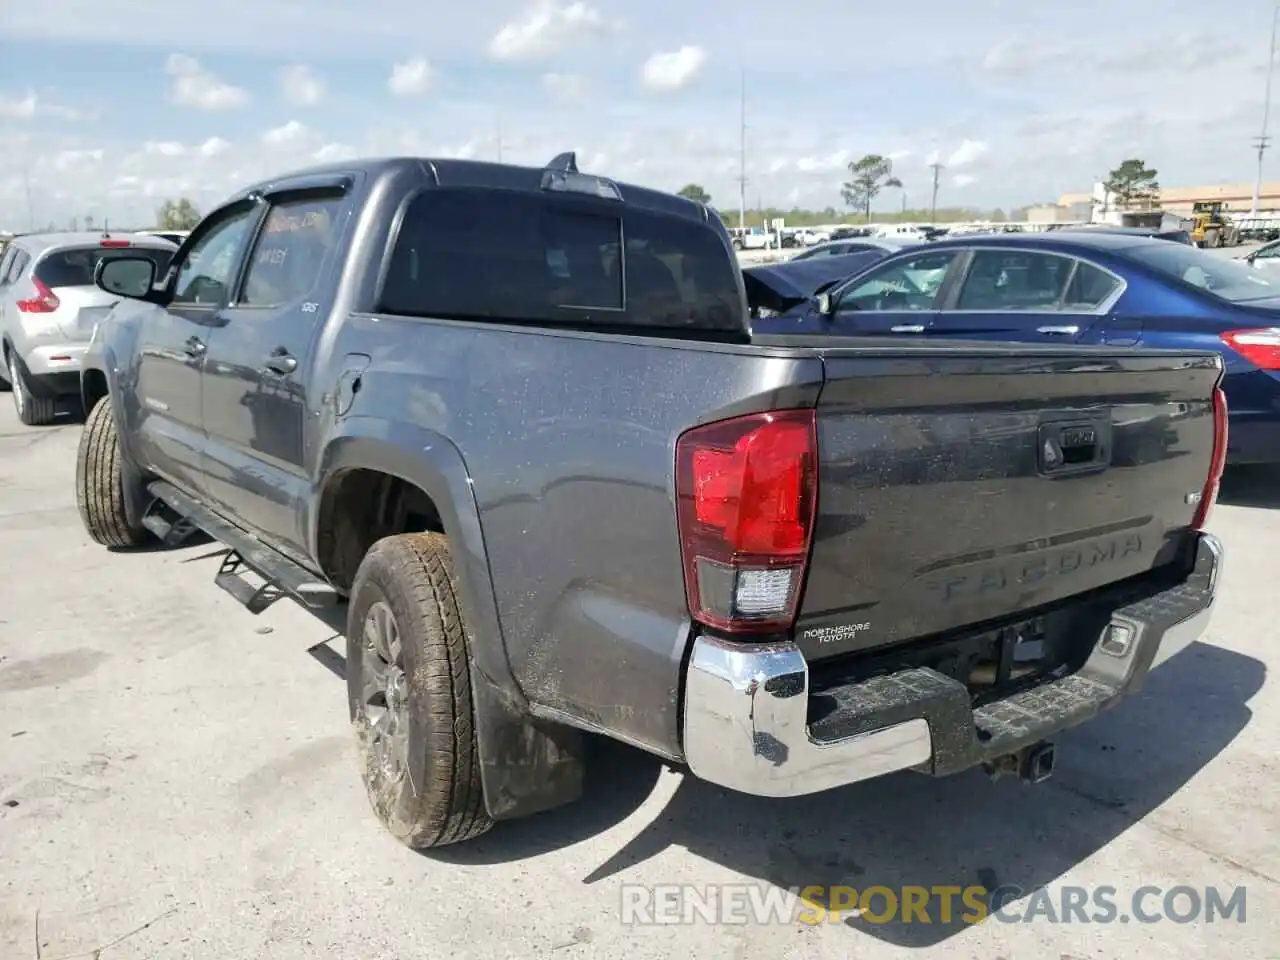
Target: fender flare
(527, 765)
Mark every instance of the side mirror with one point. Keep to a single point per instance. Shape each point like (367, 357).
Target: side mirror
(126, 276)
(825, 306)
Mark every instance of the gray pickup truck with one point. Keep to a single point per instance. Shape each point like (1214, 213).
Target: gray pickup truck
(514, 418)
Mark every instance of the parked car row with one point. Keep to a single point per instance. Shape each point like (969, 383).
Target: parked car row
(519, 421)
(1109, 286)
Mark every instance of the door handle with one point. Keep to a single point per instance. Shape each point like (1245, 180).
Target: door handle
(1058, 331)
(281, 363)
(194, 347)
(908, 328)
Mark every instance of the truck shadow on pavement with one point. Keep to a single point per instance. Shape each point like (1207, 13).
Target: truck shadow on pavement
(910, 830)
(1252, 485)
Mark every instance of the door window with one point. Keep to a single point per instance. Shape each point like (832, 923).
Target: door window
(6, 259)
(291, 251)
(205, 276)
(1013, 280)
(911, 283)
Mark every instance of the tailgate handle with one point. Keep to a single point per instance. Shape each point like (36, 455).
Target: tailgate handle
(1074, 446)
(1058, 331)
(908, 328)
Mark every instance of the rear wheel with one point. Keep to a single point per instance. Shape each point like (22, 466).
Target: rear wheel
(32, 410)
(409, 693)
(1212, 239)
(100, 482)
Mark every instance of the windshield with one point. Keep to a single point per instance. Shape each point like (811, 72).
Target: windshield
(1216, 275)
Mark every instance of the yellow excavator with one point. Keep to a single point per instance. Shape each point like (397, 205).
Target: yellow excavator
(1211, 227)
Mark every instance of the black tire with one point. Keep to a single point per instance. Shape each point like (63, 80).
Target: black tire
(100, 483)
(1212, 239)
(416, 730)
(32, 410)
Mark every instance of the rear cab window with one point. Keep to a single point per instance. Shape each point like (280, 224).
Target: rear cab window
(75, 266)
(471, 253)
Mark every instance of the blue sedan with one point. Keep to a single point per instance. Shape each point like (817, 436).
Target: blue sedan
(1065, 287)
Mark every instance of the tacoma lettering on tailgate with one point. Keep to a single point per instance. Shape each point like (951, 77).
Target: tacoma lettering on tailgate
(1024, 571)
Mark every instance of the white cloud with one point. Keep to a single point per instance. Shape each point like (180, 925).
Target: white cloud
(165, 148)
(545, 27)
(30, 105)
(66, 161)
(967, 153)
(213, 147)
(824, 164)
(192, 86)
(565, 86)
(411, 78)
(291, 132)
(671, 71)
(19, 109)
(332, 152)
(300, 86)
(963, 180)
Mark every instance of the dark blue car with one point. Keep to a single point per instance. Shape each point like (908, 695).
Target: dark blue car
(1076, 288)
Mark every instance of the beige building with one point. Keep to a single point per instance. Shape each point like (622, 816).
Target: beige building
(1237, 196)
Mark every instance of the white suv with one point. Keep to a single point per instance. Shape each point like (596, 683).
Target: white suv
(49, 306)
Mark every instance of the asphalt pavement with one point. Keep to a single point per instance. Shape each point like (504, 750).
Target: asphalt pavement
(178, 780)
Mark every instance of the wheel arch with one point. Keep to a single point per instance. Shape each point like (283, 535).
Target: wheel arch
(527, 765)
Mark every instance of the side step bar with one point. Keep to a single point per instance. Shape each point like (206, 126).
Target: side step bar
(282, 576)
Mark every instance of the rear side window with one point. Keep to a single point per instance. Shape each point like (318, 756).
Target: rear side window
(74, 268)
(1090, 288)
(482, 254)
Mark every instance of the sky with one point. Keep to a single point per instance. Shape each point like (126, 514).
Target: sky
(107, 115)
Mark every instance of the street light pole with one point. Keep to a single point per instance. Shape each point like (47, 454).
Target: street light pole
(1263, 141)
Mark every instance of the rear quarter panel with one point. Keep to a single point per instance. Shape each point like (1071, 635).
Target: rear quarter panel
(569, 443)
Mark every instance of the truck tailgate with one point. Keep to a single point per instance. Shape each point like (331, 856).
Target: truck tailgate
(961, 487)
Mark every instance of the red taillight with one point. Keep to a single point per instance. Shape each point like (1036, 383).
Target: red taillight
(1219, 462)
(43, 302)
(1260, 347)
(113, 243)
(746, 493)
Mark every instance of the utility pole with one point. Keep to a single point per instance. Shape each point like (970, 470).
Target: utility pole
(742, 158)
(31, 208)
(933, 206)
(1262, 141)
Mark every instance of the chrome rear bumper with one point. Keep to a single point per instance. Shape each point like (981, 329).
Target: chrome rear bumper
(746, 714)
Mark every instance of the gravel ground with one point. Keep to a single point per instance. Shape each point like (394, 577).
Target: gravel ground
(177, 780)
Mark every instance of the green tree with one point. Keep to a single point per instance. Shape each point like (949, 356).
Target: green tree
(867, 177)
(88, 221)
(1133, 182)
(178, 214)
(694, 192)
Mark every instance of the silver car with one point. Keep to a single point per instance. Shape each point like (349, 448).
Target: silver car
(839, 248)
(49, 306)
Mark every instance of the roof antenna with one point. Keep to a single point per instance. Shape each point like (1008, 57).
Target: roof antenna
(568, 162)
